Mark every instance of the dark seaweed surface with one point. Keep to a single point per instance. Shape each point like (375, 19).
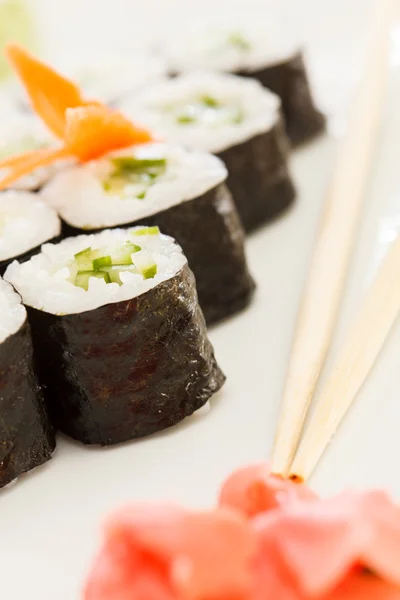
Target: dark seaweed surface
(258, 178)
(210, 233)
(26, 437)
(288, 79)
(128, 369)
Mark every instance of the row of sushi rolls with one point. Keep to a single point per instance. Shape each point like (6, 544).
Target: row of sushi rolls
(127, 191)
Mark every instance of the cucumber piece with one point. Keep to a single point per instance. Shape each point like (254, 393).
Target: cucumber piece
(114, 272)
(102, 261)
(123, 254)
(129, 164)
(84, 259)
(237, 40)
(114, 185)
(82, 278)
(185, 119)
(238, 116)
(210, 101)
(147, 231)
(149, 272)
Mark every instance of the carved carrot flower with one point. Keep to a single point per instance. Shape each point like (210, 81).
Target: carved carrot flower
(86, 129)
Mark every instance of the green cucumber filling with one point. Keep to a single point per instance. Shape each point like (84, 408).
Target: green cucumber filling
(207, 110)
(132, 177)
(108, 264)
(147, 231)
(239, 42)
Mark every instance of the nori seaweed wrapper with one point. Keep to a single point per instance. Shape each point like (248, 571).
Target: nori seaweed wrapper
(26, 436)
(259, 178)
(21, 258)
(288, 79)
(211, 235)
(209, 231)
(128, 369)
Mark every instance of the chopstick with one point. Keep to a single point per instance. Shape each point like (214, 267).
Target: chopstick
(356, 358)
(332, 251)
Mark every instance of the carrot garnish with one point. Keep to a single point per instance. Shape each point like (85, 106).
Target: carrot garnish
(88, 130)
(50, 93)
(31, 161)
(93, 131)
(13, 161)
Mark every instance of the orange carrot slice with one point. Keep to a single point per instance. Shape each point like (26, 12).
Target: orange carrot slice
(50, 93)
(13, 161)
(90, 132)
(25, 164)
(93, 131)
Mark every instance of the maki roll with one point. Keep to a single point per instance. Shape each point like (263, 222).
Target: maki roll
(235, 118)
(251, 50)
(26, 436)
(25, 224)
(110, 78)
(181, 192)
(118, 334)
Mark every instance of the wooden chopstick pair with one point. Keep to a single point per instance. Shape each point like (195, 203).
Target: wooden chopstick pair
(323, 290)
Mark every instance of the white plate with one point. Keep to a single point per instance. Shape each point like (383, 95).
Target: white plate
(49, 521)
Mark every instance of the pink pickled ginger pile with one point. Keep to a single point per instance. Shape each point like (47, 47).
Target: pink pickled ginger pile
(268, 539)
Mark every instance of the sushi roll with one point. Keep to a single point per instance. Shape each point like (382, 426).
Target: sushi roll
(181, 192)
(235, 118)
(110, 78)
(23, 134)
(26, 436)
(107, 79)
(118, 334)
(25, 224)
(253, 50)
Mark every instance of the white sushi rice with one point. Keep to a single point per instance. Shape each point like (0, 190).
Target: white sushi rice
(25, 223)
(79, 196)
(110, 77)
(43, 280)
(239, 45)
(24, 133)
(12, 313)
(153, 108)
(8, 106)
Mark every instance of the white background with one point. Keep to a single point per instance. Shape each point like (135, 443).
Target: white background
(49, 521)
